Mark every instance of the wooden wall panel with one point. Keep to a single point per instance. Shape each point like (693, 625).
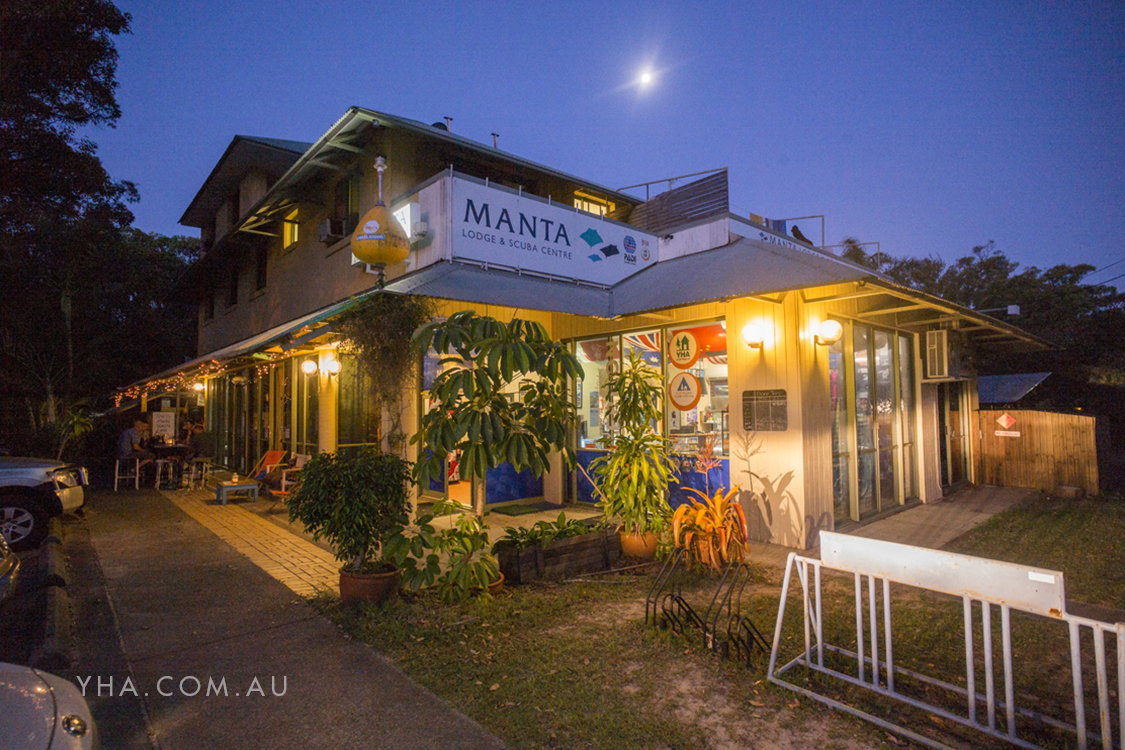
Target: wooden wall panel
(1051, 450)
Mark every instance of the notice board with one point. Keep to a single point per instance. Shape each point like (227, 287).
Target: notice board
(765, 411)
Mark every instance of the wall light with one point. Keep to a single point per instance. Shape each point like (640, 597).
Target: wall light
(332, 366)
(309, 366)
(198, 386)
(754, 334)
(829, 332)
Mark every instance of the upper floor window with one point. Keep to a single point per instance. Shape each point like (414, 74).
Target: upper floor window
(290, 229)
(593, 204)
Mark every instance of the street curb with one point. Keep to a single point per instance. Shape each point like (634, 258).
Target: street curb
(55, 651)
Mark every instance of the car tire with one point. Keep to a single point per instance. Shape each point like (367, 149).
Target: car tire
(22, 521)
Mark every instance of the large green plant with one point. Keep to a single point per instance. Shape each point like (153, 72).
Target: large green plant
(632, 479)
(357, 501)
(470, 412)
(379, 332)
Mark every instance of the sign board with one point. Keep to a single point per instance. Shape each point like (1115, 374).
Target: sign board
(765, 411)
(1006, 421)
(503, 228)
(684, 391)
(683, 350)
(164, 423)
(1006, 433)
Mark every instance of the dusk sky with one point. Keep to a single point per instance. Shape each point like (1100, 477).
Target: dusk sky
(928, 127)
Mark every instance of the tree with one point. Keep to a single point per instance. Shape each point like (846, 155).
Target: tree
(64, 238)
(1054, 303)
(470, 411)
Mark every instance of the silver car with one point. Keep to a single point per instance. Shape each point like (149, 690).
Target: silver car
(32, 490)
(40, 711)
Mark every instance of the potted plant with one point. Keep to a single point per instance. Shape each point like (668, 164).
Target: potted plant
(357, 500)
(553, 549)
(711, 528)
(632, 479)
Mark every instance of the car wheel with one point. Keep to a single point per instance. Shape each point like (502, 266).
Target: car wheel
(23, 522)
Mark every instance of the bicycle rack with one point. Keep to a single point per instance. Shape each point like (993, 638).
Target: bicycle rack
(666, 607)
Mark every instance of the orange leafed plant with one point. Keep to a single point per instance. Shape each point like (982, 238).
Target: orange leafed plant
(711, 529)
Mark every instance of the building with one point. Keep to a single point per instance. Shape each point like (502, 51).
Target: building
(830, 392)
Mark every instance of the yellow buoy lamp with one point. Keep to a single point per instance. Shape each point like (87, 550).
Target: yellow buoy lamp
(829, 332)
(378, 240)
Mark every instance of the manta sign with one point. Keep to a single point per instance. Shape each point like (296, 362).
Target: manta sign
(523, 232)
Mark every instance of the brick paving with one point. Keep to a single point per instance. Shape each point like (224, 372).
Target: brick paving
(300, 565)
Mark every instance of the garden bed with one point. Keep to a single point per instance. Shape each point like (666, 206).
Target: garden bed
(559, 558)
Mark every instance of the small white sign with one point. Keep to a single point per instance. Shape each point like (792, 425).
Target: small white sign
(1006, 433)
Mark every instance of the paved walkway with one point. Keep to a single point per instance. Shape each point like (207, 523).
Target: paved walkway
(220, 655)
(302, 566)
(930, 525)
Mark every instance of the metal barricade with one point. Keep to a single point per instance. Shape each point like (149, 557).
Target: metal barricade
(991, 583)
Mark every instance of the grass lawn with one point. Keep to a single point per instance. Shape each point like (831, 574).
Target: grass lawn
(572, 665)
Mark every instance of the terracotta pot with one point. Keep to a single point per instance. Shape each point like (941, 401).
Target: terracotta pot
(495, 586)
(368, 587)
(638, 545)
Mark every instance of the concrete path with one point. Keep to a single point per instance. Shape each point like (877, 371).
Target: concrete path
(933, 525)
(194, 613)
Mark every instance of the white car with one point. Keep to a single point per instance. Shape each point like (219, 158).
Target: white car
(40, 711)
(32, 490)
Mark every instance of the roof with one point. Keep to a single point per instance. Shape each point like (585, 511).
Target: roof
(1007, 389)
(272, 155)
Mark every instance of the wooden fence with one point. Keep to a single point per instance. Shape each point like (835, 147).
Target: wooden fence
(1039, 450)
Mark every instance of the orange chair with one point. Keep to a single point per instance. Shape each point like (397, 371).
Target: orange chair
(269, 461)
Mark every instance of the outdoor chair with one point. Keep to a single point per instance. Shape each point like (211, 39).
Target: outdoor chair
(132, 470)
(165, 472)
(200, 471)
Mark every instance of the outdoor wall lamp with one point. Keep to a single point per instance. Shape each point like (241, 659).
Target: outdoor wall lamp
(829, 332)
(754, 334)
(332, 366)
(198, 386)
(309, 366)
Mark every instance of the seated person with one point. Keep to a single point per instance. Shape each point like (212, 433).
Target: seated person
(130, 444)
(200, 444)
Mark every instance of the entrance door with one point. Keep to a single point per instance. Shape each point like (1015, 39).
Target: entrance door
(953, 418)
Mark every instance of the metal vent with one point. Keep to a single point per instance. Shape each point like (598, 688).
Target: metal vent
(937, 355)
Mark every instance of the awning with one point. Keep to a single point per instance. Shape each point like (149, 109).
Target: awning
(1007, 389)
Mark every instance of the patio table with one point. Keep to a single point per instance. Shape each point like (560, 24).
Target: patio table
(222, 489)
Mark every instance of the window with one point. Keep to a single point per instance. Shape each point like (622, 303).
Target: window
(704, 425)
(232, 290)
(290, 229)
(345, 203)
(358, 413)
(593, 204)
(261, 260)
(871, 388)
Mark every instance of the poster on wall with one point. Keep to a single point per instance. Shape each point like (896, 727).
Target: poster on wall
(518, 231)
(765, 411)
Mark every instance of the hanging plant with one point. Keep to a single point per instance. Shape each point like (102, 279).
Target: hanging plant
(379, 333)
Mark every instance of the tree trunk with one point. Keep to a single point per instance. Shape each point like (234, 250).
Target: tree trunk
(478, 497)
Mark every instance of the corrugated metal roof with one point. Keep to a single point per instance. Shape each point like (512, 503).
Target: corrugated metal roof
(1007, 389)
(470, 283)
(744, 267)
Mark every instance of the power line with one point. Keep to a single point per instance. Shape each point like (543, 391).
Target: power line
(1111, 265)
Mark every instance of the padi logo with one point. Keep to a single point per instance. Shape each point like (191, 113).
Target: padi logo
(630, 246)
